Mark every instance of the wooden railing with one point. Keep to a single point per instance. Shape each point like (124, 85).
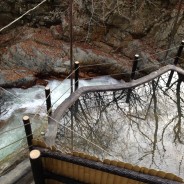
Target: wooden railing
(53, 167)
(50, 166)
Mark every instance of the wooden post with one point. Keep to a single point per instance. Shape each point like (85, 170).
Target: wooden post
(76, 84)
(72, 127)
(134, 67)
(36, 166)
(28, 131)
(175, 62)
(76, 75)
(128, 95)
(71, 43)
(48, 100)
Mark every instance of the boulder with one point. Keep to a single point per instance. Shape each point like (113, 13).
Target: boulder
(147, 64)
(56, 31)
(17, 78)
(38, 53)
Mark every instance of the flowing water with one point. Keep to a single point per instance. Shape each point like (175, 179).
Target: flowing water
(19, 102)
(148, 131)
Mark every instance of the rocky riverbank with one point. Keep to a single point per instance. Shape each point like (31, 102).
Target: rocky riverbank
(38, 54)
(38, 45)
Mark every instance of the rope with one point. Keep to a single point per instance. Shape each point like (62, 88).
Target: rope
(97, 65)
(60, 84)
(84, 138)
(66, 78)
(13, 129)
(17, 127)
(14, 142)
(125, 73)
(65, 93)
(10, 93)
(61, 97)
(25, 146)
(158, 64)
(130, 60)
(52, 92)
(164, 51)
(63, 126)
(38, 109)
(104, 64)
(52, 106)
(22, 15)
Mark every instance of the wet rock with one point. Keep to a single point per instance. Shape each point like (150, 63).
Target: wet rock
(113, 25)
(2, 123)
(5, 18)
(5, 7)
(103, 46)
(9, 78)
(114, 37)
(56, 31)
(138, 29)
(120, 21)
(116, 25)
(40, 54)
(33, 53)
(114, 42)
(147, 64)
(100, 62)
(132, 48)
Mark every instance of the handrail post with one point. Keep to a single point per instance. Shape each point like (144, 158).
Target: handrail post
(76, 83)
(175, 62)
(71, 43)
(74, 108)
(134, 67)
(76, 75)
(28, 131)
(48, 100)
(72, 126)
(37, 168)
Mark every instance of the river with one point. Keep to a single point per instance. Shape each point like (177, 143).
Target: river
(19, 102)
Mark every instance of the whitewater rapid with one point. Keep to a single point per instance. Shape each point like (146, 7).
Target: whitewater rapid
(20, 102)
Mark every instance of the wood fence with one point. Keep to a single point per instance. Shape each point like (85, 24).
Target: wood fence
(50, 166)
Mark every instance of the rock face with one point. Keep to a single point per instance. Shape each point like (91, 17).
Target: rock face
(37, 53)
(105, 32)
(111, 22)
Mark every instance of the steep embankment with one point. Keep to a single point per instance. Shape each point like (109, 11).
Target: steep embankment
(105, 31)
